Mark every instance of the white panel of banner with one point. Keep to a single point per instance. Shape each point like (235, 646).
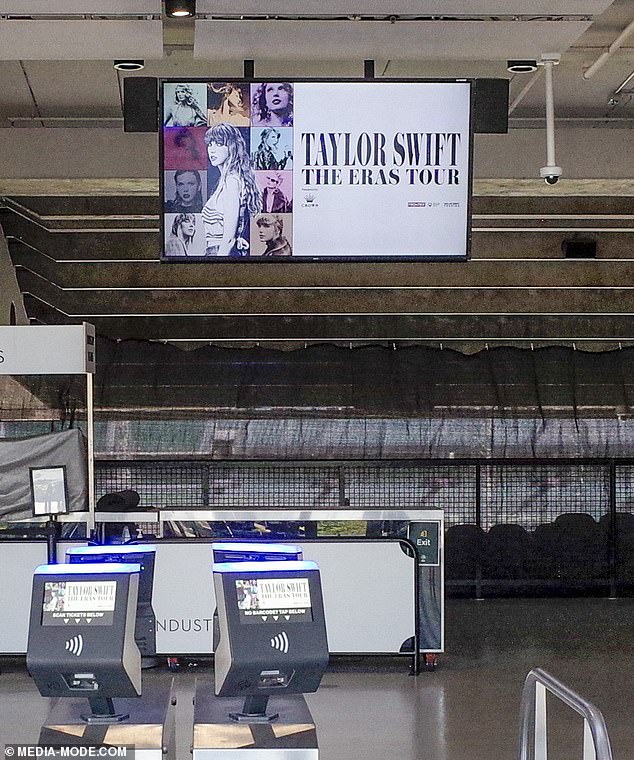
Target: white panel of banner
(398, 163)
(183, 598)
(368, 595)
(47, 349)
(18, 561)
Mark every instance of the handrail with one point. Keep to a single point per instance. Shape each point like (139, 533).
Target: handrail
(533, 706)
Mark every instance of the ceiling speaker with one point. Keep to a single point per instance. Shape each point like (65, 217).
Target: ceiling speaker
(140, 104)
(491, 106)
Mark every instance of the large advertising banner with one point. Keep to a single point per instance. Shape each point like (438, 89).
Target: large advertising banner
(335, 170)
(381, 170)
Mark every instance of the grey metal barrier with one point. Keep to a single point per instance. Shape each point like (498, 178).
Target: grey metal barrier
(533, 720)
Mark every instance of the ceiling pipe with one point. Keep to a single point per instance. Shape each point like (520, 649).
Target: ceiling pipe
(592, 70)
(615, 97)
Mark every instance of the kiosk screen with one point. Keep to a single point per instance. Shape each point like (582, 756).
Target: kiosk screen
(79, 602)
(269, 600)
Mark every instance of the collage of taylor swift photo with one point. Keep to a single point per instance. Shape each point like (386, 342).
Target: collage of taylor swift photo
(227, 169)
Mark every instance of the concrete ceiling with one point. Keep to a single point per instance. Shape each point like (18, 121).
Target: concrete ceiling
(95, 251)
(48, 49)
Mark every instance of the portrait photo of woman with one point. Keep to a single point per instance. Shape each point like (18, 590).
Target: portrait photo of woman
(269, 233)
(228, 103)
(184, 148)
(185, 110)
(272, 151)
(182, 236)
(272, 104)
(277, 191)
(235, 196)
(186, 186)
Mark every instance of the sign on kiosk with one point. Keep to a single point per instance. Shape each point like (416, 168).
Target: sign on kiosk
(78, 602)
(263, 599)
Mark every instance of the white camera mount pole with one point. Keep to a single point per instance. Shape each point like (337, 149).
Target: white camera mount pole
(551, 172)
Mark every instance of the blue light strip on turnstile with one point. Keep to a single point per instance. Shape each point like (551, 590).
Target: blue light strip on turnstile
(87, 568)
(285, 566)
(112, 549)
(259, 548)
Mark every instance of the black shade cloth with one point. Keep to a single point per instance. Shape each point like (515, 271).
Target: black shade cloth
(67, 448)
(332, 402)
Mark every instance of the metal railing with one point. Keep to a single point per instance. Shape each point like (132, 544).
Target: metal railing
(533, 719)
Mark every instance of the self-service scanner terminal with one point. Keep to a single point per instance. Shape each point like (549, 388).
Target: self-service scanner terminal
(144, 556)
(81, 647)
(249, 551)
(272, 648)
(254, 551)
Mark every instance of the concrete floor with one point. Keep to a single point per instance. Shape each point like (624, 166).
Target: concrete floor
(466, 710)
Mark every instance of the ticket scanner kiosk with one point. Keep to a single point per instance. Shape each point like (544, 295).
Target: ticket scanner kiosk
(249, 551)
(272, 648)
(144, 556)
(254, 551)
(81, 647)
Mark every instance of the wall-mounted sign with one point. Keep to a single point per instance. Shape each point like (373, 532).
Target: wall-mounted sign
(47, 349)
(426, 538)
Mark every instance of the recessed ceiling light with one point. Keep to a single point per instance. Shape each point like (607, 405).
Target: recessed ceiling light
(129, 65)
(521, 67)
(180, 8)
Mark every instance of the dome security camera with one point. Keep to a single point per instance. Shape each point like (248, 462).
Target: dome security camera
(550, 174)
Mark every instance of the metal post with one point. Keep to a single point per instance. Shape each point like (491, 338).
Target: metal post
(589, 752)
(541, 728)
(344, 501)
(612, 550)
(533, 718)
(417, 610)
(205, 496)
(550, 172)
(52, 536)
(90, 526)
(550, 114)
(478, 518)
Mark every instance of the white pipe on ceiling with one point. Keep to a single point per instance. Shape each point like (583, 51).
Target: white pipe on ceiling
(592, 70)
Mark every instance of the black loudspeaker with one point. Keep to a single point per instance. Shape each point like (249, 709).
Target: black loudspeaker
(579, 249)
(491, 106)
(140, 104)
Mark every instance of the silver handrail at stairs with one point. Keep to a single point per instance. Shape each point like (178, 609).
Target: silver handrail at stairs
(533, 722)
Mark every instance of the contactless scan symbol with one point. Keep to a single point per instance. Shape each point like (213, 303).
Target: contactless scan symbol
(280, 642)
(75, 645)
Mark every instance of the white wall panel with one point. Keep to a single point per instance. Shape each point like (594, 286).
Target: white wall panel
(415, 40)
(408, 7)
(79, 7)
(80, 40)
(18, 561)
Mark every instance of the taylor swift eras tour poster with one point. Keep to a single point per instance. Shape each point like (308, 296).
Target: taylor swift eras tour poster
(311, 170)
